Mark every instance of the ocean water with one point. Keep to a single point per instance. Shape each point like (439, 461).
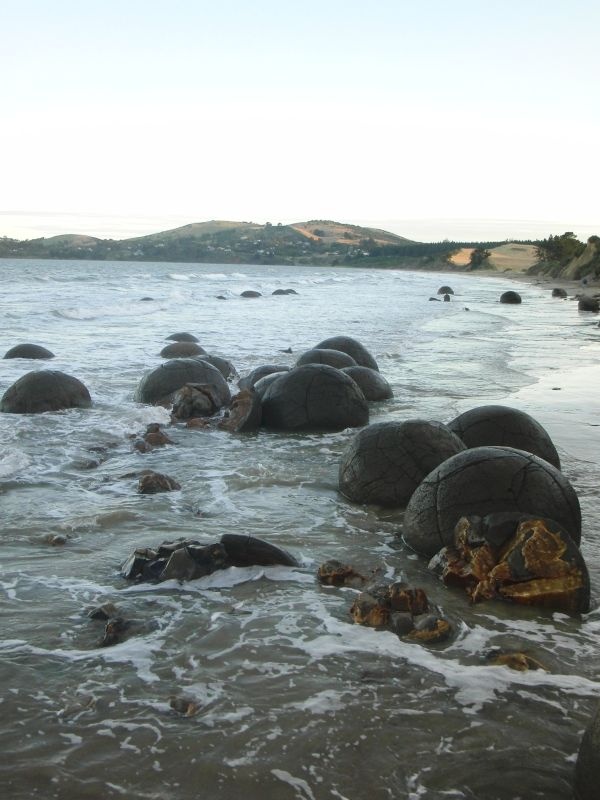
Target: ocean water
(294, 701)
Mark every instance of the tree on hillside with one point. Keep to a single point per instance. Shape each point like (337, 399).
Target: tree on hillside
(559, 249)
(479, 258)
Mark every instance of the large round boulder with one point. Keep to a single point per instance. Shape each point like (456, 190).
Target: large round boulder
(314, 397)
(261, 386)
(510, 297)
(374, 386)
(351, 346)
(483, 481)
(248, 381)
(385, 462)
(225, 367)
(322, 355)
(445, 290)
(587, 766)
(45, 390)
(505, 427)
(159, 385)
(182, 350)
(586, 303)
(28, 351)
(182, 337)
(558, 291)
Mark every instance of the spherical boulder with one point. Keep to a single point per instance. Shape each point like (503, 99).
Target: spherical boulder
(506, 427)
(225, 367)
(587, 766)
(351, 346)
(445, 290)
(374, 386)
(28, 351)
(314, 397)
(321, 355)
(482, 481)
(511, 297)
(248, 381)
(586, 303)
(45, 390)
(250, 293)
(261, 386)
(559, 292)
(159, 385)
(182, 350)
(385, 462)
(182, 337)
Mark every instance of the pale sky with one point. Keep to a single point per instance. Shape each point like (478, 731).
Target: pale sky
(469, 119)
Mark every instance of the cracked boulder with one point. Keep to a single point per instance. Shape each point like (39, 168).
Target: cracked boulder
(506, 427)
(44, 390)
(314, 397)
(482, 481)
(524, 560)
(374, 386)
(323, 355)
(195, 400)
(182, 350)
(351, 346)
(249, 380)
(386, 462)
(159, 385)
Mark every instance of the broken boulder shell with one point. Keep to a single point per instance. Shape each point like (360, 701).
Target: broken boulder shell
(505, 427)
(482, 481)
(529, 561)
(244, 414)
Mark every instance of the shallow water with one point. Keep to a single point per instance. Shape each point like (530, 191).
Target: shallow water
(295, 701)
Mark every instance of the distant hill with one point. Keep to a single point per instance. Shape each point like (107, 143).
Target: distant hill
(314, 242)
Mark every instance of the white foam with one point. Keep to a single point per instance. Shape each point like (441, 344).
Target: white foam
(13, 461)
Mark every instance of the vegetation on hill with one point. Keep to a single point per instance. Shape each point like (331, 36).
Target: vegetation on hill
(566, 257)
(315, 242)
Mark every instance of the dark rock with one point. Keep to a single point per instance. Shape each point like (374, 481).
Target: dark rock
(155, 437)
(506, 427)
(115, 631)
(250, 293)
(335, 358)
(446, 298)
(182, 337)
(28, 351)
(246, 551)
(44, 390)
(160, 384)
(248, 381)
(334, 573)
(445, 290)
(436, 299)
(261, 386)
(104, 611)
(146, 299)
(523, 559)
(587, 766)
(519, 661)
(284, 291)
(385, 462)
(182, 350)
(510, 297)
(221, 297)
(482, 481)
(374, 386)
(155, 482)
(225, 367)
(351, 346)
(186, 559)
(195, 400)
(245, 413)
(559, 292)
(586, 303)
(315, 397)
(186, 706)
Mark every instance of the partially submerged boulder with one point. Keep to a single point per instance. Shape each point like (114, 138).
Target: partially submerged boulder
(182, 337)
(35, 351)
(155, 482)
(445, 290)
(374, 386)
(159, 385)
(187, 559)
(322, 355)
(515, 557)
(384, 463)
(587, 303)
(506, 427)
(510, 297)
(195, 400)
(250, 293)
(351, 346)
(225, 367)
(182, 350)
(315, 397)
(482, 481)
(559, 292)
(248, 381)
(44, 390)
